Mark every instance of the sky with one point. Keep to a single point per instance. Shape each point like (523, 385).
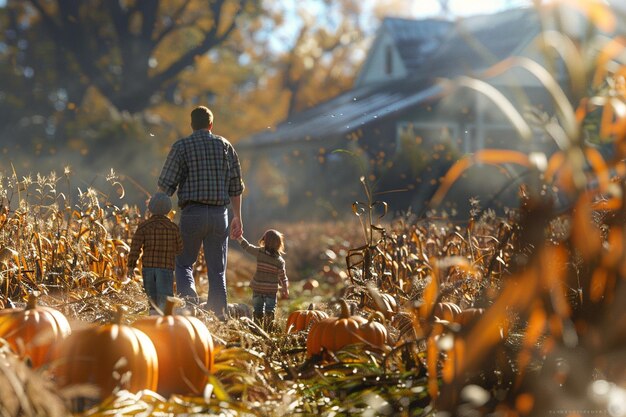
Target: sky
(461, 7)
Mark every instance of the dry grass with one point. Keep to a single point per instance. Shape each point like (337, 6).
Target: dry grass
(24, 392)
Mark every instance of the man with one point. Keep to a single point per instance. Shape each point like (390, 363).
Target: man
(204, 169)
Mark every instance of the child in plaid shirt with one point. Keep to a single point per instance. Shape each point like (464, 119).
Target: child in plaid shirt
(161, 241)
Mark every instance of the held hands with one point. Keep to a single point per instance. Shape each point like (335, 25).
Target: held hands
(284, 292)
(236, 228)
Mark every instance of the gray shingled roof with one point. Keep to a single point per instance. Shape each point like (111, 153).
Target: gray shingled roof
(346, 113)
(416, 40)
(478, 42)
(501, 34)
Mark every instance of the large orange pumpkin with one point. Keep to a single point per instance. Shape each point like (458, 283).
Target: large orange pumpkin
(334, 333)
(302, 319)
(184, 346)
(446, 310)
(32, 330)
(108, 357)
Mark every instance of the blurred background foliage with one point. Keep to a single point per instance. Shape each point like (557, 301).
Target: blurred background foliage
(103, 84)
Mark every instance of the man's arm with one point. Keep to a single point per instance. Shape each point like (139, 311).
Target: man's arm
(236, 225)
(171, 173)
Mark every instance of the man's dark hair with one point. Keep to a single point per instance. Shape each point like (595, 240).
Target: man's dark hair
(201, 118)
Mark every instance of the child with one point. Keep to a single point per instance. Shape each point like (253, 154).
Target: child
(161, 242)
(270, 272)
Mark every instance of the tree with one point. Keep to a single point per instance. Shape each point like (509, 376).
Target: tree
(283, 61)
(125, 48)
(322, 57)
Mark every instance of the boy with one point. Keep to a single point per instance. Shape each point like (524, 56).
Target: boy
(161, 241)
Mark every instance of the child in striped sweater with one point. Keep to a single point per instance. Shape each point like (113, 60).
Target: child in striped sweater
(270, 275)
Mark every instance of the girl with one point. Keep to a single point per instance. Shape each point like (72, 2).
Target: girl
(269, 275)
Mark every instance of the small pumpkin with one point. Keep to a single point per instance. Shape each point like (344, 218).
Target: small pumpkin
(385, 303)
(468, 316)
(310, 285)
(31, 331)
(302, 319)
(107, 356)
(374, 333)
(446, 311)
(333, 333)
(184, 347)
(410, 327)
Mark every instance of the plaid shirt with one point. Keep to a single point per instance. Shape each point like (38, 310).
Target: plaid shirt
(204, 167)
(161, 242)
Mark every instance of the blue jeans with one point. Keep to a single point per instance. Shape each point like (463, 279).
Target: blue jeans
(263, 304)
(207, 226)
(158, 284)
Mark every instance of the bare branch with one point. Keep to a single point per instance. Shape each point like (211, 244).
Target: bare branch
(68, 10)
(174, 18)
(68, 33)
(150, 10)
(211, 39)
(48, 21)
(119, 17)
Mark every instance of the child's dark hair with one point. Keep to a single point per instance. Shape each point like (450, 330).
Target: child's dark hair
(273, 242)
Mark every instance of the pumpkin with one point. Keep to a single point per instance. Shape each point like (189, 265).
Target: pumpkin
(107, 356)
(310, 285)
(333, 333)
(302, 319)
(374, 333)
(184, 347)
(32, 331)
(468, 316)
(385, 303)
(446, 310)
(410, 327)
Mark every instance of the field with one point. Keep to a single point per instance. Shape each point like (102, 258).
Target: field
(549, 338)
